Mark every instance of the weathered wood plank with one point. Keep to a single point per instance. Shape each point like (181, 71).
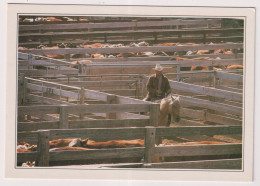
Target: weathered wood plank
(113, 24)
(209, 91)
(97, 154)
(26, 156)
(229, 88)
(188, 122)
(50, 109)
(149, 144)
(129, 33)
(103, 134)
(111, 123)
(100, 83)
(203, 164)
(121, 92)
(187, 101)
(34, 126)
(215, 62)
(198, 130)
(223, 120)
(47, 72)
(198, 150)
(52, 90)
(47, 100)
(127, 115)
(107, 108)
(229, 76)
(204, 115)
(43, 148)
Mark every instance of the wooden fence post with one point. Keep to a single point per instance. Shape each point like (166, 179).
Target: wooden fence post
(178, 72)
(154, 114)
(149, 145)
(144, 82)
(111, 99)
(81, 100)
(64, 121)
(43, 147)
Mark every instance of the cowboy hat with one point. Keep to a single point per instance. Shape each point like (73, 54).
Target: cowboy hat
(158, 67)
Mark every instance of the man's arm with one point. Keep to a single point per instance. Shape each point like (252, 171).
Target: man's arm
(150, 87)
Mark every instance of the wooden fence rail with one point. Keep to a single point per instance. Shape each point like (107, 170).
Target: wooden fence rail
(209, 91)
(116, 24)
(132, 49)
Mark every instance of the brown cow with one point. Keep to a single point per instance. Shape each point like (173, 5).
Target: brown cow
(95, 45)
(112, 144)
(74, 64)
(55, 56)
(65, 142)
(52, 19)
(232, 67)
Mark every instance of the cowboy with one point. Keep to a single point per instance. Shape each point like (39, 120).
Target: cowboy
(158, 86)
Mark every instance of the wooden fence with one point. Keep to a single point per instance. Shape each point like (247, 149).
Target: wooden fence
(207, 30)
(43, 156)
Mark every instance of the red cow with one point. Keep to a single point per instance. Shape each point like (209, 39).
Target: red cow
(232, 67)
(112, 144)
(52, 19)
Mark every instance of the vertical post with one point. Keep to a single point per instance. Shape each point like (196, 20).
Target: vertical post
(64, 121)
(24, 90)
(154, 114)
(67, 57)
(138, 88)
(178, 72)
(155, 119)
(43, 148)
(29, 61)
(111, 99)
(214, 79)
(21, 89)
(144, 82)
(149, 144)
(105, 37)
(81, 100)
(60, 94)
(155, 37)
(204, 37)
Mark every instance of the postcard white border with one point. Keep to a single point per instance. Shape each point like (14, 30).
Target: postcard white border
(125, 174)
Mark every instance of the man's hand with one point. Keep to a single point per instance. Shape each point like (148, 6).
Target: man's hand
(158, 92)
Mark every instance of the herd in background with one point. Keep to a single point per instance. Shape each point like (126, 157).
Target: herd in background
(173, 56)
(44, 19)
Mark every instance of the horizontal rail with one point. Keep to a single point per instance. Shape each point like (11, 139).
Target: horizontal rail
(204, 115)
(198, 130)
(114, 25)
(101, 123)
(146, 32)
(188, 101)
(229, 76)
(198, 150)
(132, 49)
(77, 109)
(97, 154)
(209, 91)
